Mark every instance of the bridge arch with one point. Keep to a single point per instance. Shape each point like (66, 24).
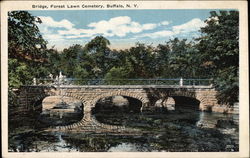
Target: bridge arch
(89, 104)
(79, 97)
(143, 99)
(196, 95)
(205, 103)
(184, 102)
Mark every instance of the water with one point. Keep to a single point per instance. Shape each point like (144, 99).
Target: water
(174, 131)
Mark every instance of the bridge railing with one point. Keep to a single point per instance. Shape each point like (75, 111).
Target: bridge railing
(177, 82)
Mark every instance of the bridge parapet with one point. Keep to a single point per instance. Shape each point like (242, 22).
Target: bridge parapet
(173, 82)
(137, 86)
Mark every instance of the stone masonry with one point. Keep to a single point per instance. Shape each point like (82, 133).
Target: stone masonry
(90, 95)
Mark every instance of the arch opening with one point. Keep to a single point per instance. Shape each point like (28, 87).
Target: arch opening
(165, 105)
(183, 103)
(115, 110)
(61, 110)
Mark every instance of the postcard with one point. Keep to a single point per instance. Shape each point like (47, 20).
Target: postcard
(124, 79)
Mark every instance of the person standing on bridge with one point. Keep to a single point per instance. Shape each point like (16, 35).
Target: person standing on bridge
(181, 82)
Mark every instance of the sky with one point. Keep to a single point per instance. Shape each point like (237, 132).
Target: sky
(123, 28)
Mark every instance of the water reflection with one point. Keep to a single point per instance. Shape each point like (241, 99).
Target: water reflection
(128, 147)
(211, 120)
(173, 131)
(60, 146)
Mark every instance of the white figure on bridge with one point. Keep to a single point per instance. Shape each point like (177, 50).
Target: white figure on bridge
(61, 78)
(181, 82)
(56, 80)
(34, 81)
(51, 76)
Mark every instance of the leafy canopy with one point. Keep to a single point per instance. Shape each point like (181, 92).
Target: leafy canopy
(219, 46)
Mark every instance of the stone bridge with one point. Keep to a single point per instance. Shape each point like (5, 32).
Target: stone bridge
(146, 94)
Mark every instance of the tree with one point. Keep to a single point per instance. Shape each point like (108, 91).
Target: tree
(178, 58)
(97, 45)
(99, 52)
(18, 71)
(140, 61)
(54, 62)
(116, 73)
(26, 49)
(24, 39)
(219, 47)
(162, 60)
(70, 59)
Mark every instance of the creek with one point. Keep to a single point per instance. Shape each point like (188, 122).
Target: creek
(161, 131)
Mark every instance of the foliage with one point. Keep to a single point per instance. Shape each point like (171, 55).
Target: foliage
(19, 73)
(179, 60)
(220, 50)
(24, 39)
(116, 74)
(69, 59)
(140, 61)
(26, 49)
(54, 62)
(99, 53)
